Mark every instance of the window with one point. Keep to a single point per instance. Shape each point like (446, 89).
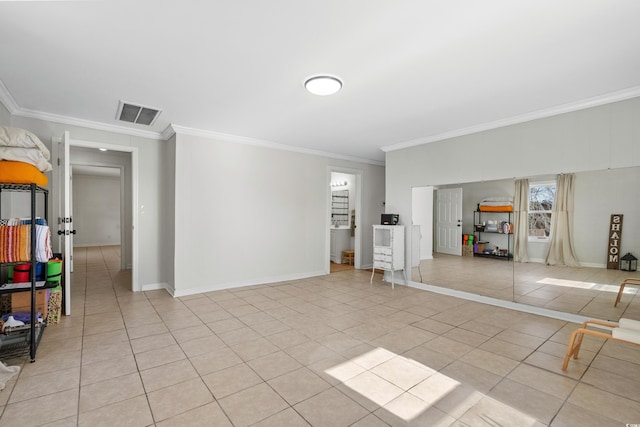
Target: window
(541, 196)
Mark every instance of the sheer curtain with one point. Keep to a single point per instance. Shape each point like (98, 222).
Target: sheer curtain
(561, 251)
(521, 220)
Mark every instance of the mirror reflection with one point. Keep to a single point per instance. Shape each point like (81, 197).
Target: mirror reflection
(511, 253)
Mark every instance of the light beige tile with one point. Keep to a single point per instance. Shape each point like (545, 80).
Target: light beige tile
(202, 345)
(131, 412)
(369, 390)
(215, 361)
(298, 385)
(191, 333)
(179, 398)
(56, 361)
(506, 349)
(571, 415)
(310, 352)
(488, 361)
(344, 410)
(239, 335)
(137, 331)
(402, 372)
(43, 384)
(274, 365)
(499, 413)
(252, 405)
(48, 408)
(288, 418)
(609, 405)
(102, 352)
(203, 416)
(408, 410)
(158, 357)
(99, 371)
(227, 324)
(231, 380)
(140, 345)
(288, 338)
(167, 375)
(537, 404)
(97, 395)
(370, 421)
(477, 378)
(249, 350)
(435, 388)
(542, 380)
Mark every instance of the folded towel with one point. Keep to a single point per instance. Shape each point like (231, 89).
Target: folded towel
(16, 137)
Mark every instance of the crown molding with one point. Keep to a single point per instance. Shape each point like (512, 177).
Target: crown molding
(183, 130)
(7, 99)
(9, 102)
(553, 111)
(72, 121)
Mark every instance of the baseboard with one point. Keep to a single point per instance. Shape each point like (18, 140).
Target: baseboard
(242, 284)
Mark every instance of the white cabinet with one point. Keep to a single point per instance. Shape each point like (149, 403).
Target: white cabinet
(388, 249)
(340, 241)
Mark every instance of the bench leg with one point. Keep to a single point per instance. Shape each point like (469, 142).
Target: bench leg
(619, 294)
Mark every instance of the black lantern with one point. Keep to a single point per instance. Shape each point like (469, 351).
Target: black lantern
(628, 262)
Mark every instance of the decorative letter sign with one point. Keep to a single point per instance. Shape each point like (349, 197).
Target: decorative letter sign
(615, 236)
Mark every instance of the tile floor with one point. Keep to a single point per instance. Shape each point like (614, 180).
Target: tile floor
(586, 291)
(328, 351)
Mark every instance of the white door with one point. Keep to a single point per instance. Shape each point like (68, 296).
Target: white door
(65, 226)
(449, 221)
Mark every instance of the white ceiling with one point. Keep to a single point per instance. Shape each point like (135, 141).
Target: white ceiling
(413, 71)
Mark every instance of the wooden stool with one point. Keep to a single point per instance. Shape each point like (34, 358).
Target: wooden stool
(348, 255)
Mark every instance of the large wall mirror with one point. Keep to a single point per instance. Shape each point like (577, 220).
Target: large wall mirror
(589, 289)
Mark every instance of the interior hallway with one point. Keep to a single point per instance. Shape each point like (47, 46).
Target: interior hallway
(328, 351)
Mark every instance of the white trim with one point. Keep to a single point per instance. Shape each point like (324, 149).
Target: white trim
(595, 101)
(135, 276)
(568, 317)
(182, 130)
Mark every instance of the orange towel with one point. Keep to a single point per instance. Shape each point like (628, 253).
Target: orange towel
(21, 173)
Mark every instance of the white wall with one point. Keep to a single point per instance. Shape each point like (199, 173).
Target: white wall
(96, 210)
(593, 139)
(247, 214)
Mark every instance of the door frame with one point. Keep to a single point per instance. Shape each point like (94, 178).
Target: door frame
(357, 244)
(59, 201)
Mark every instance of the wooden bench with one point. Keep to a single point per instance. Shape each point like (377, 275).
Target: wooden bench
(626, 331)
(348, 255)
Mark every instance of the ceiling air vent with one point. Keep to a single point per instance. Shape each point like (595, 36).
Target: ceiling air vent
(139, 114)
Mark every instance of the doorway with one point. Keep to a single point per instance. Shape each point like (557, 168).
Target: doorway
(344, 217)
(97, 154)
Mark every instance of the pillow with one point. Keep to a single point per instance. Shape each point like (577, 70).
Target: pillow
(21, 173)
(16, 137)
(32, 156)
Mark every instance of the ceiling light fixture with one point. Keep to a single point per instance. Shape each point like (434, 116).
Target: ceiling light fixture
(323, 85)
(102, 149)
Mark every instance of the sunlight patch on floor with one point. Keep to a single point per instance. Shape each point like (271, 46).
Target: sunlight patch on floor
(579, 284)
(410, 391)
